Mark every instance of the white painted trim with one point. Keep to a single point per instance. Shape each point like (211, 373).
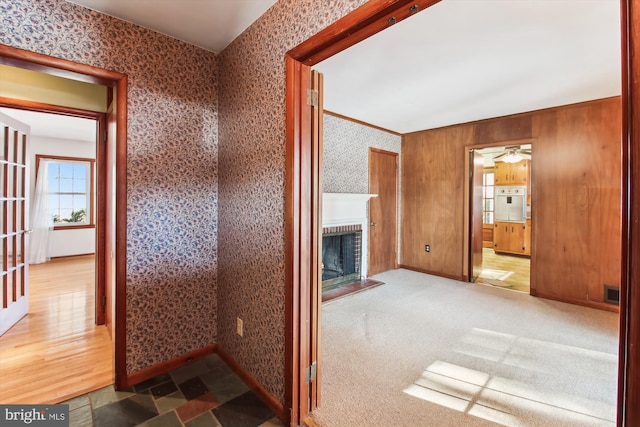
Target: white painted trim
(348, 209)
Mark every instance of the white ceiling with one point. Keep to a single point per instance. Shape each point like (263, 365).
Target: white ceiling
(211, 24)
(458, 61)
(466, 60)
(55, 126)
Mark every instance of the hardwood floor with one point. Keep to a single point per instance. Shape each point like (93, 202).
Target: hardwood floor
(56, 352)
(505, 271)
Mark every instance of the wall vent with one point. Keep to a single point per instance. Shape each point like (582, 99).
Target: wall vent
(612, 295)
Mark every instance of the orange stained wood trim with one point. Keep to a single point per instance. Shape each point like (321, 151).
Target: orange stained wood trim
(101, 217)
(57, 351)
(591, 304)
(434, 273)
(315, 308)
(64, 68)
(28, 60)
(367, 20)
(360, 122)
(300, 178)
(293, 174)
(92, 195)
(274, 404)
(524, 114)
(21, 104)
(629, 351)
(121, 235)
(169, 365)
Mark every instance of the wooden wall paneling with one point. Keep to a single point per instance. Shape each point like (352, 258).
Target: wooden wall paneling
(407, 231)
(574, 154)
(544, 215)
(424, 205)
(503, 129)
(439, 174)
(577, 206)
(460, 137)
(432, 180)
(610, 178)
(576, 197)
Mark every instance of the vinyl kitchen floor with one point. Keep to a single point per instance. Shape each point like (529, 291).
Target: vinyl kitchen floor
(203, 393)
(505, 271)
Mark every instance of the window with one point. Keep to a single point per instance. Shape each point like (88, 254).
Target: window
(488, 189)
(70, 183)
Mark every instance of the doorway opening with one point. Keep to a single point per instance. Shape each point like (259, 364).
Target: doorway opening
(506, 216)
(111, 157)
(63, 280)
(309, 53)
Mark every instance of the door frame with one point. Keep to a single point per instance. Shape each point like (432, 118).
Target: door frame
(300, 177)
(100, 205)
(28, 60)
(468, 235)
(366, 21)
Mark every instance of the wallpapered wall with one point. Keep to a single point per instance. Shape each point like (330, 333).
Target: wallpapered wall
(252, 161)
(346, 154)
(171, 167)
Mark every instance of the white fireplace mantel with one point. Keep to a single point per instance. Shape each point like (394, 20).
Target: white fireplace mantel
(344, 209)
(348, 209)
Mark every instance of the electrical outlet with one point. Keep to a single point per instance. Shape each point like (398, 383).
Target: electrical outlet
(427, 248)
(239, 326)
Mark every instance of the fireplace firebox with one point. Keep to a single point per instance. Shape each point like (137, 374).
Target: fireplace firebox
(341, 255)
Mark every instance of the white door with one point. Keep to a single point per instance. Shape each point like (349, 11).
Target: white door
(13, 222)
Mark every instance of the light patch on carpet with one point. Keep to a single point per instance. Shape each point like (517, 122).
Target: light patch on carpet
(500, 400)
(491, 274)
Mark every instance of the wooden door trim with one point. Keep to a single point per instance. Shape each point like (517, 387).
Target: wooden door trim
(367, 20)
(467, 205)
(99, 215)
(359, 25)
(629, 353)
(395, 211)
(64, 68)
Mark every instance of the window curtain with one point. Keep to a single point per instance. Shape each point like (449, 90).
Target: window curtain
(41, 222)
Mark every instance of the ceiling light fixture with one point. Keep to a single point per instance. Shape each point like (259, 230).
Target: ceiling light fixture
(512, 157)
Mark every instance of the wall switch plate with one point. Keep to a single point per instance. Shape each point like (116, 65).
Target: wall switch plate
(239, 326)
(427, 248)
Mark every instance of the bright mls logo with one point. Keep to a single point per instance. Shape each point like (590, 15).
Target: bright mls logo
(34, 415)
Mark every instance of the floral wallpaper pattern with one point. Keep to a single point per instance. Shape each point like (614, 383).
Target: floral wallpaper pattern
(346, 154)
(172, 167)
(252, 161)
(346, 158)
(205, 205)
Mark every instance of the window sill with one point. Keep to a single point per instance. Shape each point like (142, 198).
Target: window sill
(73, 227)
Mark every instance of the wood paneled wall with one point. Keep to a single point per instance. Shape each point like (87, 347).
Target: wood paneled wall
(576, 185)
(432, 182)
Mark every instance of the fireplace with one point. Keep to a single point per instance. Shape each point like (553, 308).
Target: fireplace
(341, 255)
(344, 238)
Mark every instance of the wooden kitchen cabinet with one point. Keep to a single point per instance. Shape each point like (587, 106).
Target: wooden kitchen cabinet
(512, 237)
(512, 173)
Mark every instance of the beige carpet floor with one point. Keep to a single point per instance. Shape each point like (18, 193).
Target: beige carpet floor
(422, 350)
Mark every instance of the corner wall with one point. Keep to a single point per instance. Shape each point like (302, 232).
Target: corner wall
(172, 200)
(252, 165)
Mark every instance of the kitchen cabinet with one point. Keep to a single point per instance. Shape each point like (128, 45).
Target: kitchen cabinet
(512, 237)
(512, 173)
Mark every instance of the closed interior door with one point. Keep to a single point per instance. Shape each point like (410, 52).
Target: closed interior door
(383, 211)
(13, 222)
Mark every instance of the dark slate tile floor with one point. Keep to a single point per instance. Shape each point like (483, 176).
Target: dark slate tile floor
(205, 393)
